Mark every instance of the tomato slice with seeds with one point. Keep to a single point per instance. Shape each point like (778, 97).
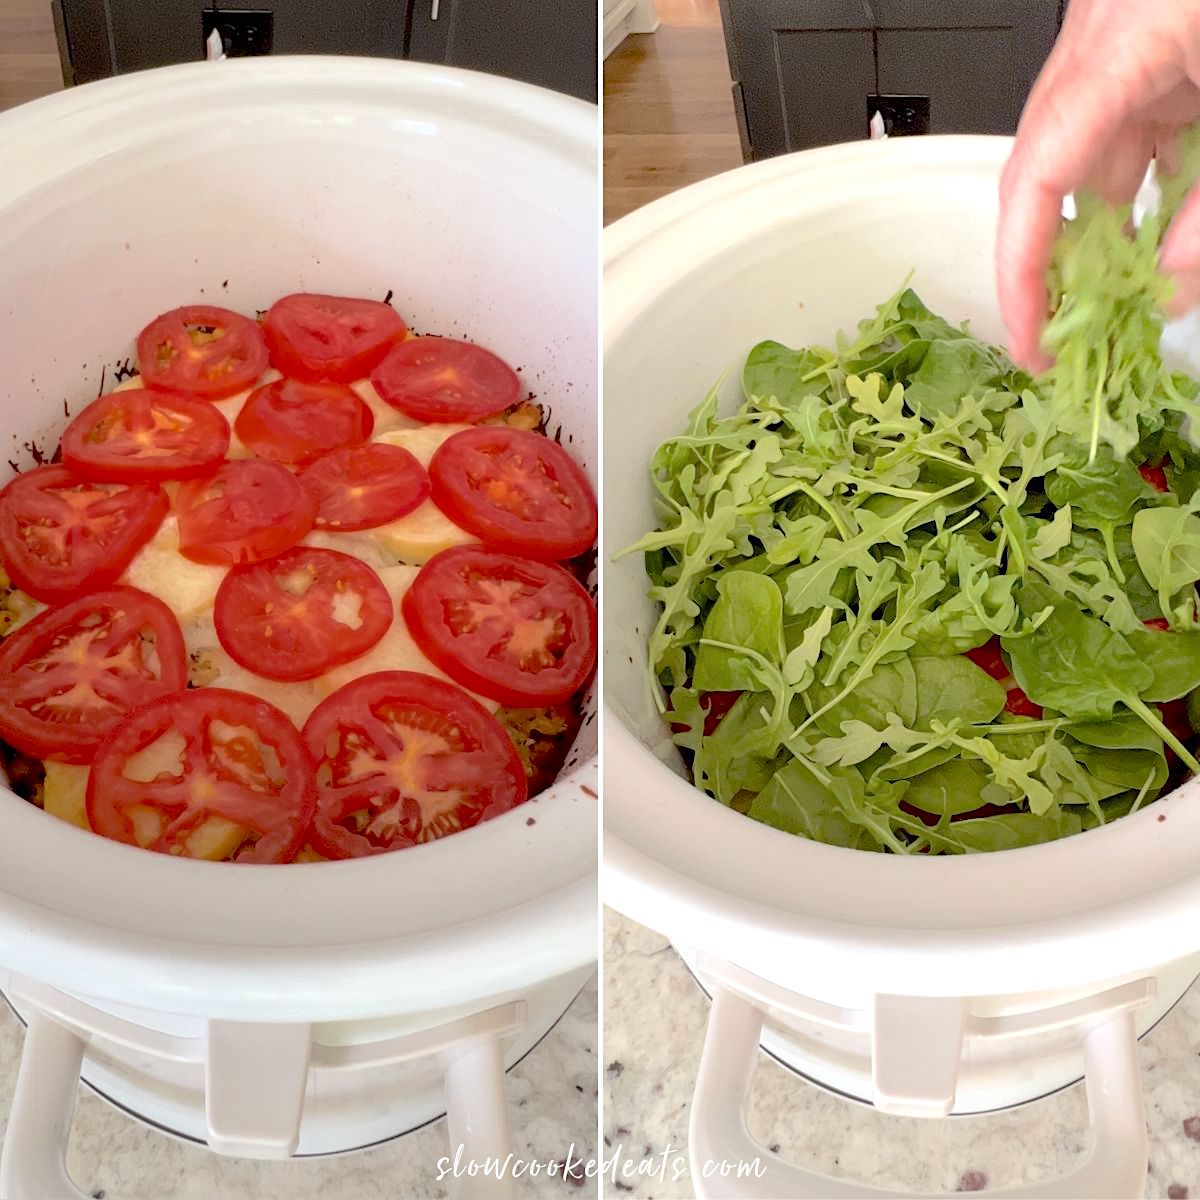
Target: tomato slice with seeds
(248, 510)
(201, 350)
(139, 434)
(330, 338)
(514, 630)
(292, 422)
(61, 536)
(443, 380)
(70, 676)
(233, 759)
(301, 613)
(363, 486)
(404, 758)
(515, 490)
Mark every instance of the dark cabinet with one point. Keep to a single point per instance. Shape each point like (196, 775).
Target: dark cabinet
(110, 37)
(811, 72)
(547, 42)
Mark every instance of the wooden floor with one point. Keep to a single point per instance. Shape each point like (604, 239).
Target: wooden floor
(668, 112)
(28, 52)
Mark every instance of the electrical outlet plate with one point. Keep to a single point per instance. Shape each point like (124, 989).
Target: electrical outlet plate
(244, 31)
(903, 116)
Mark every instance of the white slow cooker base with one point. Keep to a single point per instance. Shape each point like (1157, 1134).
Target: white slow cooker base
(993, 1075)
(344, 1110)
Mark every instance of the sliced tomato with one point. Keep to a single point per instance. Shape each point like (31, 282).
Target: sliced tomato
(518, 631)
(202, 351)
(335, 338)
(364, 486)
(404, 758)
(988, 658)
(234, 759)
(440, 379)
(716, 707)
(1156, 477)
(515, 490)
(291, 422)
(139, 434)
(248, 510)
(73, 674)
(301, 613)
(1020, 704)
(61, 536)
(1159, 623)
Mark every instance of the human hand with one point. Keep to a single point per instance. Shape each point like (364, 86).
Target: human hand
(1122, 80)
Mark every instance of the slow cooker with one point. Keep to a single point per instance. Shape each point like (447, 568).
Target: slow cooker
(315, 1007)
(927, 986)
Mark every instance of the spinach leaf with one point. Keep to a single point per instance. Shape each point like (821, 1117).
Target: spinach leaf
(1167, 544)
(749, 614)
(1174, 659)
(954, 688)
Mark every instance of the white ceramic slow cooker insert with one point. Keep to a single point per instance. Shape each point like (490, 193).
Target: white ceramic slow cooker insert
(928, 985)
(472, 200)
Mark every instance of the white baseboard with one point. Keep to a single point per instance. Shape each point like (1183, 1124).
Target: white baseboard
(623, 17)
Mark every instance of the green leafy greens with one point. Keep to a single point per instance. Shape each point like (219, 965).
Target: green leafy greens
(1109, 384)
(832, 549)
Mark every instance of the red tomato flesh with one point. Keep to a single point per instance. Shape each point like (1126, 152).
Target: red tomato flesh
(291, 422)
(404, 758)
(139, 434)
(248, 510)
(1156, 477)
(515, 490)
(72, 675)
(202, 351)
(330, 338)
(1020, 704)
(61, 537)
(716, 707)
(241, 760)
(364, 486)
(440, 379)
(988, 658)
(301, 613)
(514, 630)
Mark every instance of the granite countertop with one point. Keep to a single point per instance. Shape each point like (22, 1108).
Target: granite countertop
(654, 1019)
(552, 1102)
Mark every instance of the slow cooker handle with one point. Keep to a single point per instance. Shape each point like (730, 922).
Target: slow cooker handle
(719, 1135)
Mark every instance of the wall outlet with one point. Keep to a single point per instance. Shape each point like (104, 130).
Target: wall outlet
(244, 31)
(903, 116)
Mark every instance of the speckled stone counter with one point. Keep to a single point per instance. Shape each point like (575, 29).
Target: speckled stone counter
(654, 1018)
(552, 1101)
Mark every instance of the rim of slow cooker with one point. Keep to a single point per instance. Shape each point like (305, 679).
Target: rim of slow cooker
(105, 920)
(675, 858)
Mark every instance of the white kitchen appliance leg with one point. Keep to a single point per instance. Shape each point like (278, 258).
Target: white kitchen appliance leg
(477, 1120)
(33, 1163)
(469, 1048)
(719, 1136)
